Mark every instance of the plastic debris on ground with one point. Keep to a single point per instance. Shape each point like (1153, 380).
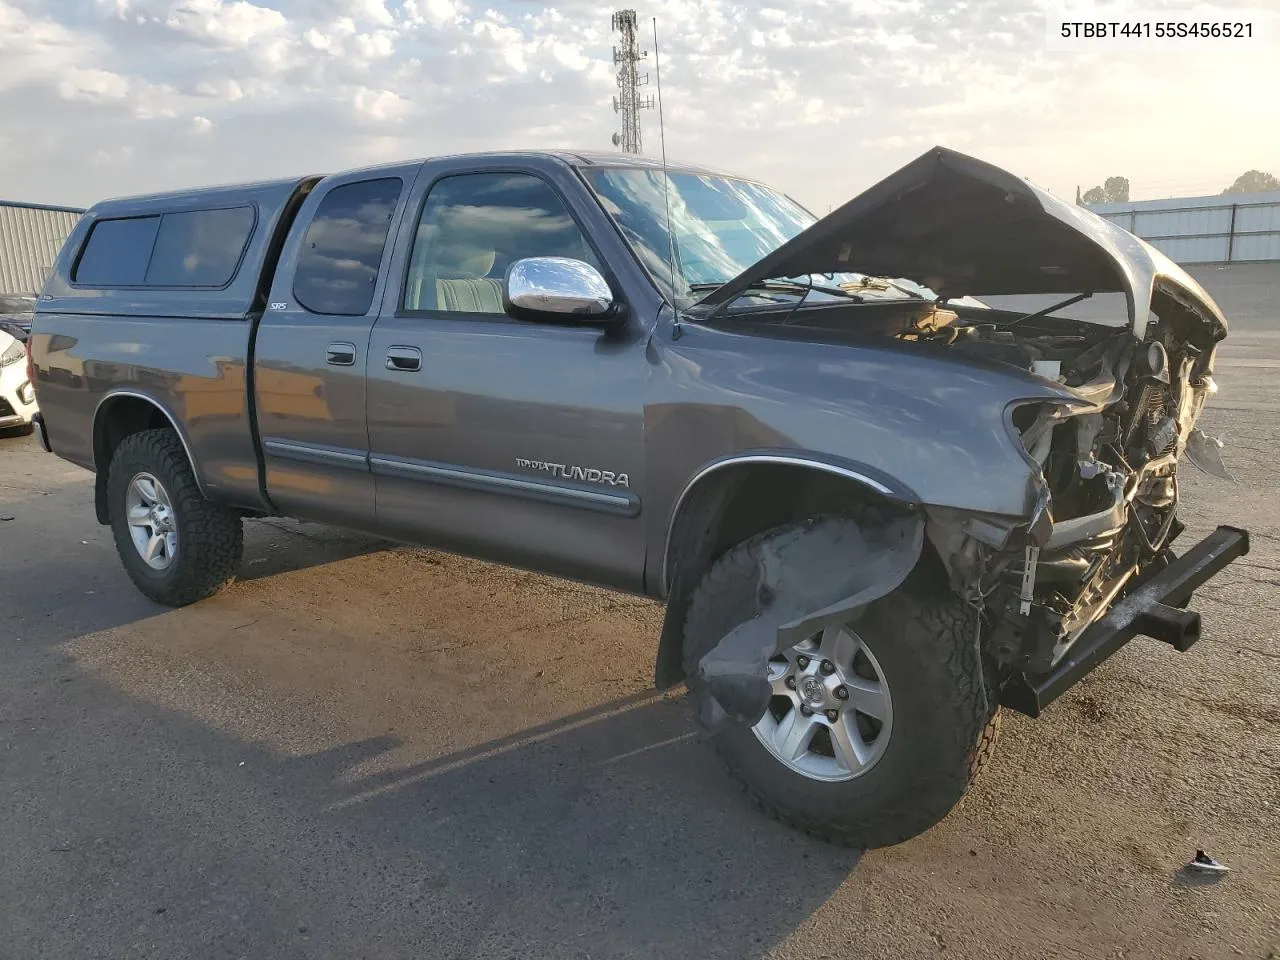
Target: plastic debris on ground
(1203, 863)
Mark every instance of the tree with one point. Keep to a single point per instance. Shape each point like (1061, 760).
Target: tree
(1113, 190)
(1116, 189)
(1254, 181)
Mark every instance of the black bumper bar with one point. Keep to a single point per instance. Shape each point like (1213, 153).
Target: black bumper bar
(1152, 608)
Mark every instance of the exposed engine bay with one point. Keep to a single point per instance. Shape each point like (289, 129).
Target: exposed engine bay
(1109, 467)
(1107, 461)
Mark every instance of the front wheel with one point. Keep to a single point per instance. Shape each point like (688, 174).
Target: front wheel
(176, 546)
(875, 728)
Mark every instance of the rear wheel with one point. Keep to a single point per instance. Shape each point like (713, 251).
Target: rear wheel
(875, 728)
(176, 546)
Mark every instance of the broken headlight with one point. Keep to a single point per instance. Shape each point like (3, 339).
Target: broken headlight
(1033, 422)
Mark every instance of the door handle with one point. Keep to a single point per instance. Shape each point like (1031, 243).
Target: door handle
(341, 354)
(405, 359)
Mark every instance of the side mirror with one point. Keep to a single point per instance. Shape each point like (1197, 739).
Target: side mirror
(557, 288)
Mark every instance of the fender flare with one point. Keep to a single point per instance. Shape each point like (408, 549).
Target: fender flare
(100, 469)
(817, 576)
(668, 665)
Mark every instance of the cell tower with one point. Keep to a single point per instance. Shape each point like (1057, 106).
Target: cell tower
(628, 101)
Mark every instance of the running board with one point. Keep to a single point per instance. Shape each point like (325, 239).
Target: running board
(1151, 609)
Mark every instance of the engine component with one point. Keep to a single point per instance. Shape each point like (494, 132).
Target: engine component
(1151, 361)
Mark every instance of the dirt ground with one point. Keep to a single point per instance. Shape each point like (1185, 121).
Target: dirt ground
(384, 752)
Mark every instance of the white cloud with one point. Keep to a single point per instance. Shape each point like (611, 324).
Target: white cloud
(435, 12)
(381, 104)
(570, 55)
(374, 46)
(506, 44)
(331, 37)
(144, 101)
(235, 24)
(119, 7)
(93, 86)
(34, 48)
(819, 96)
(221, 88)
(318, 40)
(371, 11)
(151, 101)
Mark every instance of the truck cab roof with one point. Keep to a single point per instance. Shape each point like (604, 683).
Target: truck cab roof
(260, 190)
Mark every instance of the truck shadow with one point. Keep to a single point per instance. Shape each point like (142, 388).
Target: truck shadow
(86, 584)
(612, 832)
(556, 847)
(276, 545)
(160, 795)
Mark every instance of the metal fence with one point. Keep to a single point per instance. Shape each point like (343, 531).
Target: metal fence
(31, 235)
(1232, 228)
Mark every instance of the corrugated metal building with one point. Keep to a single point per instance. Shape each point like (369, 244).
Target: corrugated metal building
(1229, 228)
(31, 235)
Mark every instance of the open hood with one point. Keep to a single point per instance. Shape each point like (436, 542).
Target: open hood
(964, 227)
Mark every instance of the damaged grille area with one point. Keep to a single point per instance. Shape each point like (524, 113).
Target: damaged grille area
(1110, 474)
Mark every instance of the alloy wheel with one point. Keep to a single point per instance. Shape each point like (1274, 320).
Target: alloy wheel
(153, 525)
(831, 715)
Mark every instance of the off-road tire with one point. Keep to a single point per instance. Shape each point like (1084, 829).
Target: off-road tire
(945, 722)
(210, 536)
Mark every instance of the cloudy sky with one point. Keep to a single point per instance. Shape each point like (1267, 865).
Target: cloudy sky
(821, 97)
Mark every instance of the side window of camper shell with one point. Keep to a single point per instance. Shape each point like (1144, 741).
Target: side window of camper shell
(187, 248)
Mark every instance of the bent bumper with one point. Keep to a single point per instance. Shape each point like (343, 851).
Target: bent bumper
(1151, 609)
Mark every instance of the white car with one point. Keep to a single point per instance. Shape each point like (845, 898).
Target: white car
(17, 397)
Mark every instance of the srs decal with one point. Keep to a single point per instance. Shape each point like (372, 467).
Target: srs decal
(572, 472)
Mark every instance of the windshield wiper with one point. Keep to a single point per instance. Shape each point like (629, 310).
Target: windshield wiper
(789, 286)
(881, 283)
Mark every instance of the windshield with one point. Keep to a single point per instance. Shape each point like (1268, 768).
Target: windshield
(720, 226)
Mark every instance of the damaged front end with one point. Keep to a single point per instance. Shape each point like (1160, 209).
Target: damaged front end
(1111, 409)
(1056, 592)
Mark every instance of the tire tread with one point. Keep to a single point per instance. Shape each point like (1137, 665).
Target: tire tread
(929, 613)
(211, 536)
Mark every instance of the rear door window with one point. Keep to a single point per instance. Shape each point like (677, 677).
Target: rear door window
(201, 248)
(117, 252)
(342, 250)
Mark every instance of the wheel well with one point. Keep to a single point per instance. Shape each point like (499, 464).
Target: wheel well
(119, 417)
(733, 504)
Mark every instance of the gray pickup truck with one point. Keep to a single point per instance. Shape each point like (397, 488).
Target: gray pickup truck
(877, 508)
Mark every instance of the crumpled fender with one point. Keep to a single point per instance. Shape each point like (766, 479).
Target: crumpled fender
(809, 578)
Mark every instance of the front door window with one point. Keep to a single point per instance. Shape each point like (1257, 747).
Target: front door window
(473, 227)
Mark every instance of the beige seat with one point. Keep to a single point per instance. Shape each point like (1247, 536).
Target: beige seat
(469, 294)
(459, 279)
